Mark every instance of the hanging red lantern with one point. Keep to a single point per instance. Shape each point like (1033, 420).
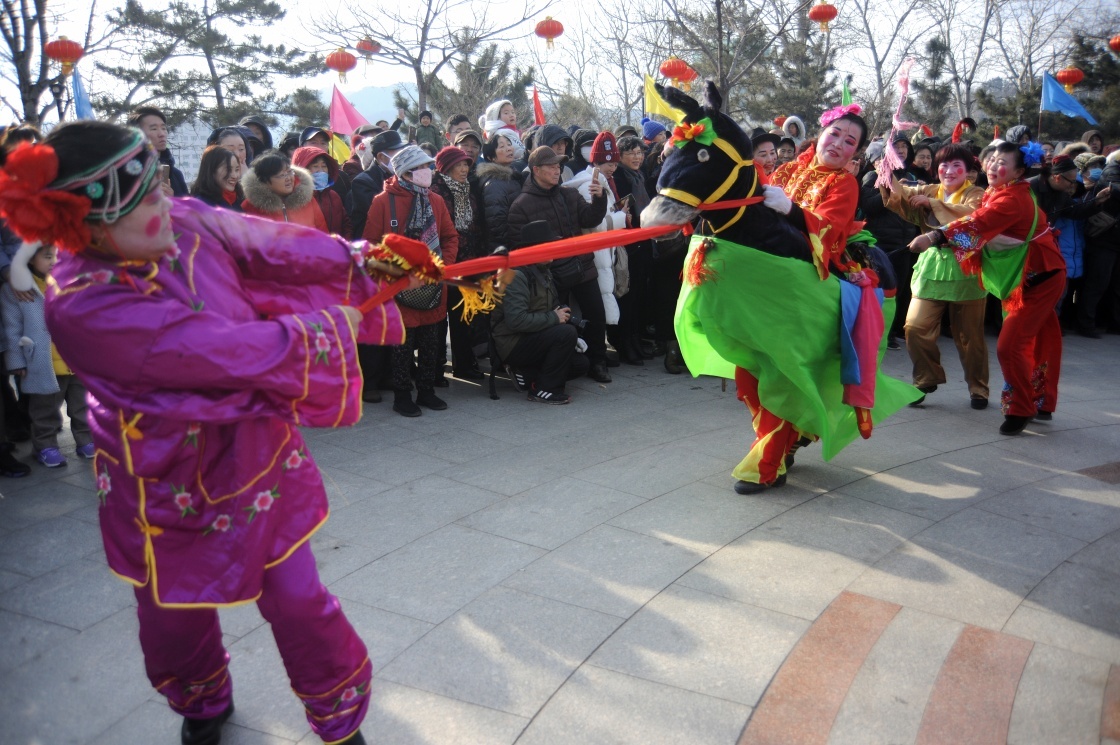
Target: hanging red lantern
(779, 121)
(64, 51)
(822, 13)
(367, 47)
(1069, 77)
(1114, 43)
(678, 71)
(342, 62)
(549, 29)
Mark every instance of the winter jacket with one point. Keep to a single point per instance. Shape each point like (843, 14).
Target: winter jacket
(471, 245)
(29, 342)
(366, 186)
(330, 203)
(1071, 239)
(178, 183)
(429, 134)
(568, 214)
(1058, 204)
(1109, 240)
(891, 231)
(604, 258)
(299, 207)
(526, 308)
(378, 224)
(500, 186)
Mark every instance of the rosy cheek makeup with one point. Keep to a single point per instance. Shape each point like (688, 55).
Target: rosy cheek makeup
(152, 228)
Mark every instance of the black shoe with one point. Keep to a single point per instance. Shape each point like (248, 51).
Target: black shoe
(441, 382)
(630, 353)
(919, 402)
(472, 373)
(598, 373)
(978, 403)
(674, 361)
(430, 400)
(371, 396)
(1044, 416)
(750, 487)
(613, 358)
(556, 398)
(1013, 425)
(647, 349)
(659, 349)
(802, 442)
(205, 731)
(520, 382)
(928, 388)
(10, 467)
(404, 405)
(354, 739)
(892, 343)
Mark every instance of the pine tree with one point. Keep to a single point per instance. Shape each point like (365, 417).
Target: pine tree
(930, 104)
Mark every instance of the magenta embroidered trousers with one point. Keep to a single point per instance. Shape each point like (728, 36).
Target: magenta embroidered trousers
(326, 661)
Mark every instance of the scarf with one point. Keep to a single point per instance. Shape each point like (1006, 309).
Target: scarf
(229, 196)
(421, 223)
(461, 202)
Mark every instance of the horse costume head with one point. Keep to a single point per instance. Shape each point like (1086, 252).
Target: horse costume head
(708, 170)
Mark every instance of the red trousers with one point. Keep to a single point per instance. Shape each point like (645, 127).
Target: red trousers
(1030, 350)
(773, 436)
(326, 661)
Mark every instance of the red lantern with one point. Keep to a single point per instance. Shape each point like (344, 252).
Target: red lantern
(1069, 77)
(677, 70)
(779, 121)
(341, 61)
(549, 29)
(64, 51)
(822, 14)
(1114, 43)
(367, 47)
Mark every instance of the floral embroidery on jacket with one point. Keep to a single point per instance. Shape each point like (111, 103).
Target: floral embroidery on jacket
(322, 343)
(350, 695)
(262, 502)
(183, 501)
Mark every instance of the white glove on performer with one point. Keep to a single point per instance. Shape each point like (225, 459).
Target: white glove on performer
(776, 199)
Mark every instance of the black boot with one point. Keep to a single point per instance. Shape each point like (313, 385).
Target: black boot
(1013, 425)
(674, 361)
(598, 373)
(205, 731)
(630, 352)
(403, 404)
(9, 466)
(430, 400)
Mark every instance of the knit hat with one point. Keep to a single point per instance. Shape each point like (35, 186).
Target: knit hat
(425, 113)
(1063, 164)
(491, 115)
(407, 159)
(651, 129)
(449, 157)
(604, 149)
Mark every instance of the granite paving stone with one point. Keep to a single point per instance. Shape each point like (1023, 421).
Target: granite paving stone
(1102, 554)
(1058, 699)
(1081, 593)
(654, 471)
(264, 697)
(77, 595)
(1056, 630)
(25, 638)
(47, 545)
(508, 650)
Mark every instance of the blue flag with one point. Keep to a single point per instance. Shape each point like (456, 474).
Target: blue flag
(1055, 98)
(82, 107)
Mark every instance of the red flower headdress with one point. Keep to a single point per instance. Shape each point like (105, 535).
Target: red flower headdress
(36, 213)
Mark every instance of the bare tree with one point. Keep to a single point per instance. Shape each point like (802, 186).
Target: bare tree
(425, 36)
(1033, 35)
(966, 26)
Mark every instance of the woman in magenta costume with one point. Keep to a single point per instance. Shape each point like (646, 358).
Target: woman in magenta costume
(205, 339)
(1022, 264)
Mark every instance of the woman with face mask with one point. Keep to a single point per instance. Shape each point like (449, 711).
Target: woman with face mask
(408, 206)
(279, 191)
(938, 284)
(324, 171)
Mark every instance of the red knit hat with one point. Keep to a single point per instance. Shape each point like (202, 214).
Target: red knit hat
(604, 149)
(449, 156)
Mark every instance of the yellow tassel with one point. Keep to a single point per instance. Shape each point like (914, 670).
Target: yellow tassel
(482, 300)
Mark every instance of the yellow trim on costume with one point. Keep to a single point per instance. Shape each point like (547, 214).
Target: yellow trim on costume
(252, 482)
(680, 196)
(342, 358)
(130, 580)
(334, 690)
(306, 370)
(130, 429)
(732, 221)
(190, 262)
(384, 323)
(287, 554)
(349, 283)
(740, 163)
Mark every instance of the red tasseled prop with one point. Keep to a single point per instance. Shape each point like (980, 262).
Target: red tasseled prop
(697, 271)
(970, 264)
(409, 254)
(1014, 301)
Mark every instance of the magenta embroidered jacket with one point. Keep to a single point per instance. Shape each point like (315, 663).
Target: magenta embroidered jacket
(200, 368)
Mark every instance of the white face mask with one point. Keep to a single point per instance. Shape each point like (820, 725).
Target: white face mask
(422, 177)
(585, 151)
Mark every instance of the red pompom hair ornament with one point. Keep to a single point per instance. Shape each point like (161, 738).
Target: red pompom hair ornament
(65, 52)
(549, 29)
(1069, 77)
(823, 13)
(342, 62)
(36, 213)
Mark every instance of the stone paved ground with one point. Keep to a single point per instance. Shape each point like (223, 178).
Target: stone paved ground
(584, 574)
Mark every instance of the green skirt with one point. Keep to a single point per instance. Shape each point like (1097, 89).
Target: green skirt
(775, 318)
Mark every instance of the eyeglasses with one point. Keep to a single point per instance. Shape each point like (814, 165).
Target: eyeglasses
(286, 174)
(1069, 180)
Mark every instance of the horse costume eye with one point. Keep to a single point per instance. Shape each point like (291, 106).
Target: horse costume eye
(702, 156)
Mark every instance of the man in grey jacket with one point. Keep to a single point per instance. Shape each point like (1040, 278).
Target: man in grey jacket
(533, 333)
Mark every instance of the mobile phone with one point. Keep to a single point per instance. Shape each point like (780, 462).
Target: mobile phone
(165, 173)
(909, 182)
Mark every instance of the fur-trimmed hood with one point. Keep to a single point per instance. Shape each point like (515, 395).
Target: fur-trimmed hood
(800, 128)
(264, 199)
(487, 171)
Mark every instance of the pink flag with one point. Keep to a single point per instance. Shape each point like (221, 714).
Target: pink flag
(344, 117)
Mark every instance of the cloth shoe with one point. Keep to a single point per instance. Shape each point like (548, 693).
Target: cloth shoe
(978, 403)
(441, 382)
(372, 396)
(556, 398)
(892, 343)
(403, 404)
(1013, 425)
(205, 731)
(430, 400)
(647, 349)
(1044, 416)
(801, 442)
(87, 451)
(598, 372)
(9, 466)
(750, 487)
(51, 457)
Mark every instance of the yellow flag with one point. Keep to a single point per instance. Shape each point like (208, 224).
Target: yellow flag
(655, 104)
(338, 148)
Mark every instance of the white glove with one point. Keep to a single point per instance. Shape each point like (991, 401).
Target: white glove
(581, 345)
(776, 199)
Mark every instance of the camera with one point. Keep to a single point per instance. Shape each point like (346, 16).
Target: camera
(574, 320)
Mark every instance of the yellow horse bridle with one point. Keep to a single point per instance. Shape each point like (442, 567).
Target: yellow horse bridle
(712, 201)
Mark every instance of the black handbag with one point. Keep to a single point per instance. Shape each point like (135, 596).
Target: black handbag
(425, 297)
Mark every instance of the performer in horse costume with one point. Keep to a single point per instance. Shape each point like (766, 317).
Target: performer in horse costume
(773, 296)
